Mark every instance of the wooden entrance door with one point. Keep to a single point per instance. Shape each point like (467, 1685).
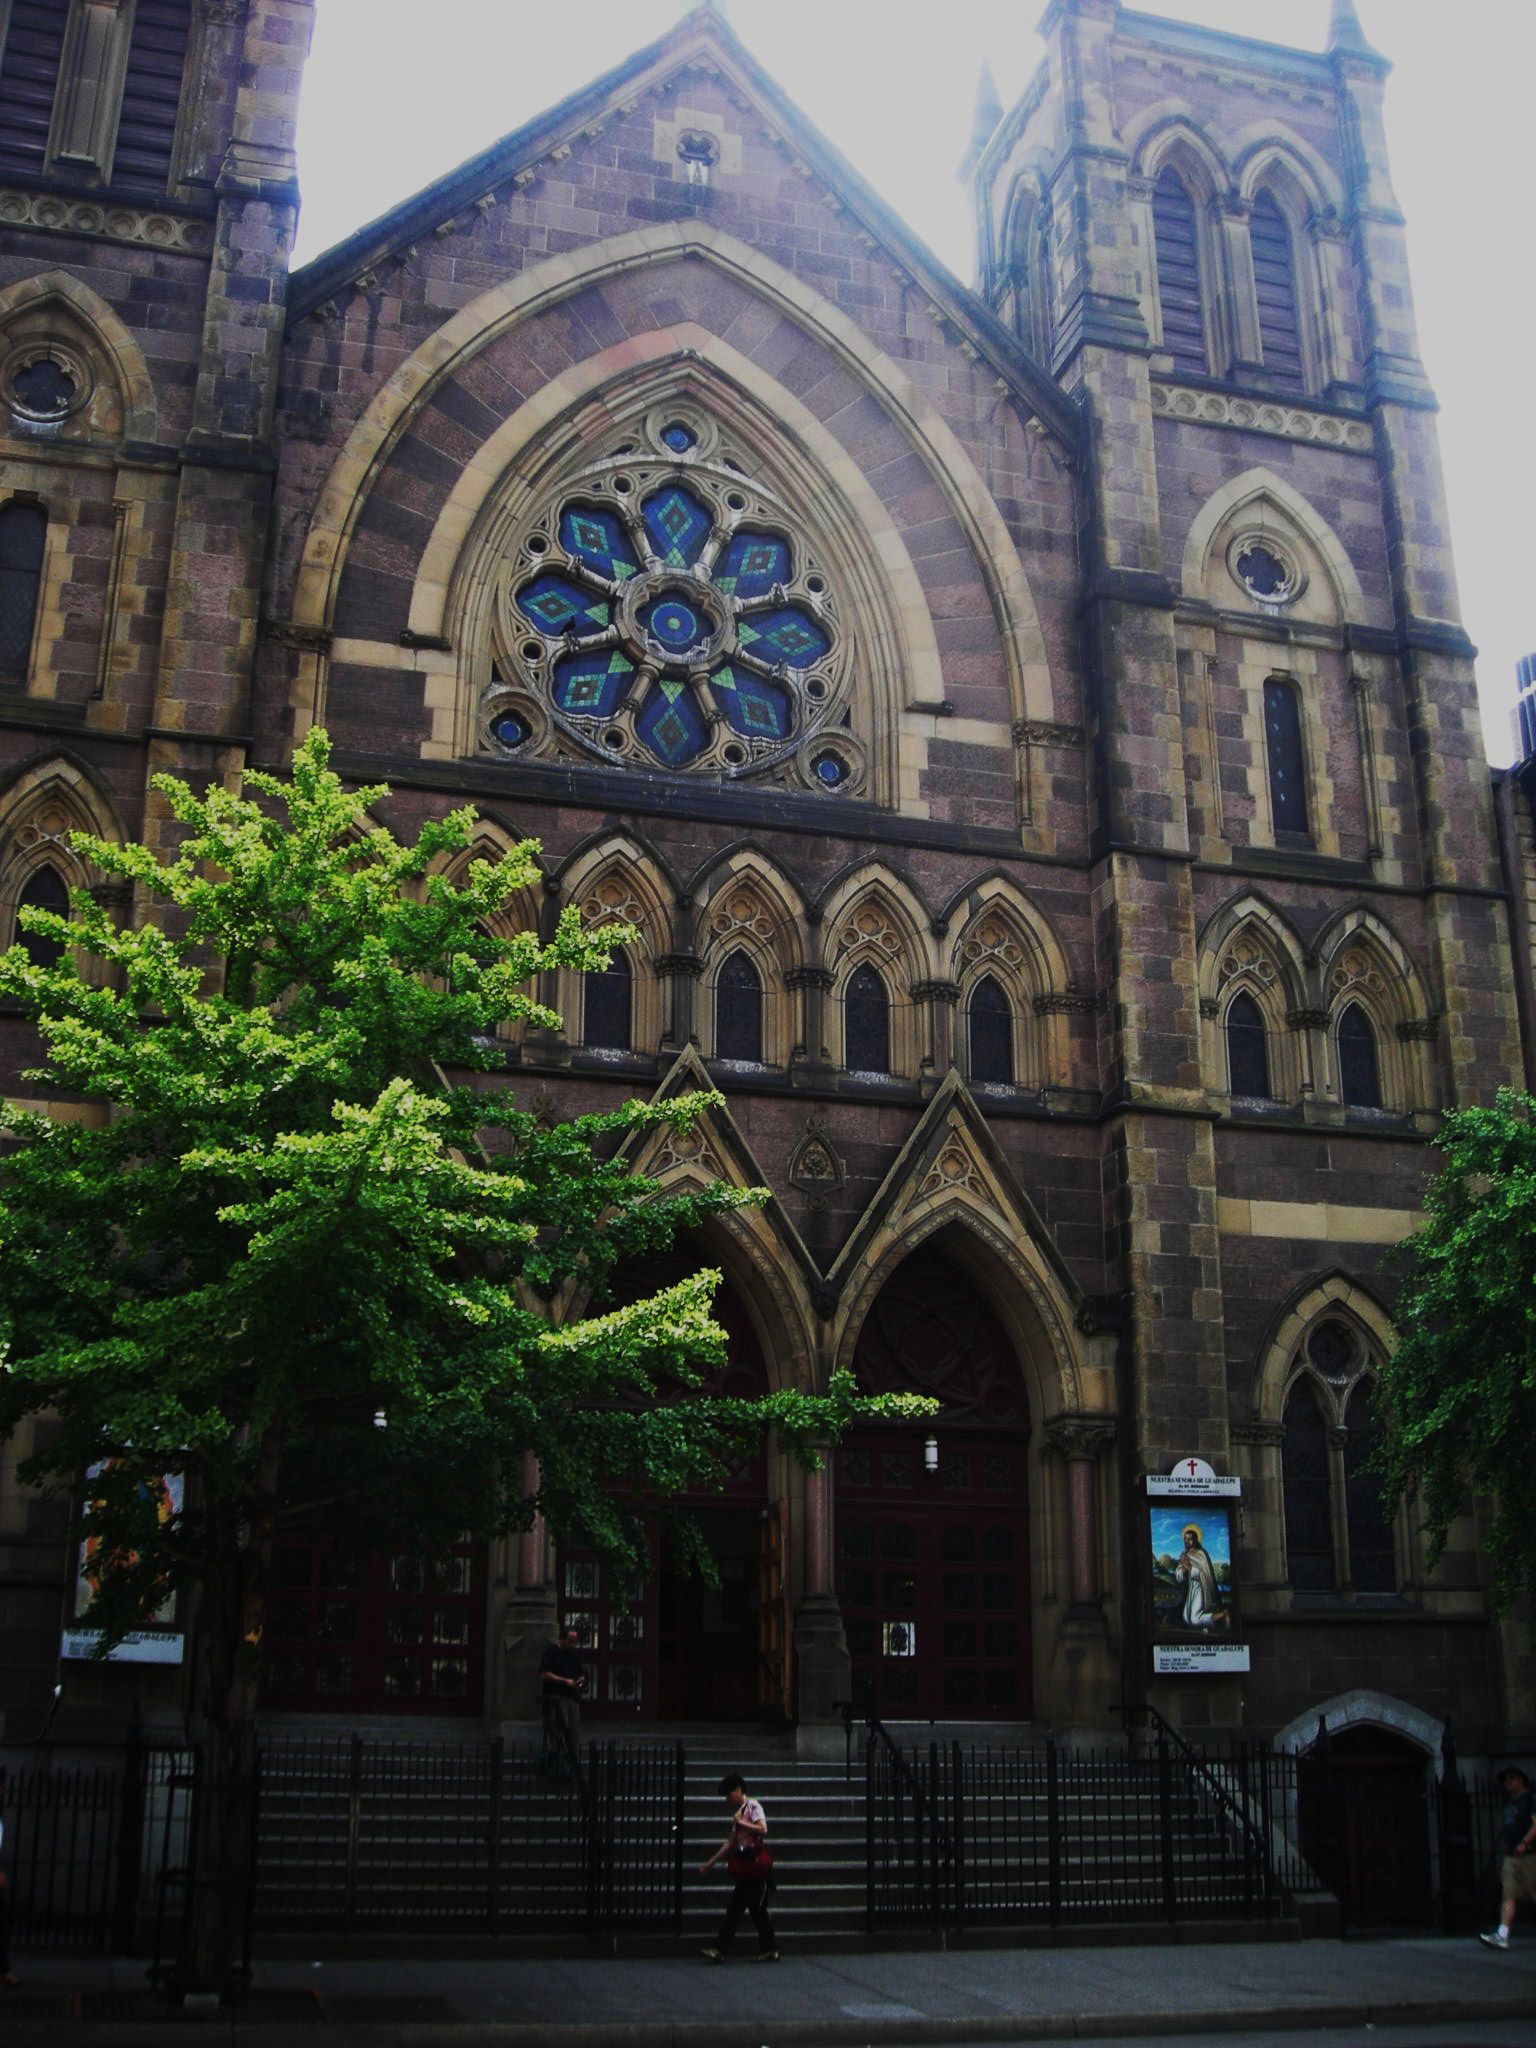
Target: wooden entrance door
(677, 1648)
(1365, 1827)
(933, 1557)
(933, 1575)
(362, 1632)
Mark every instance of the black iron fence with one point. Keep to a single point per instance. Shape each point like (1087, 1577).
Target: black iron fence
(478, 1838)
(960, 1835)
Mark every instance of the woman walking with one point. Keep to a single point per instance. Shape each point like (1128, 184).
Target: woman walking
(749, 1861)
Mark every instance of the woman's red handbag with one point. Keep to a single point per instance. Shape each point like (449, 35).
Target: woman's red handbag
(750, 1861)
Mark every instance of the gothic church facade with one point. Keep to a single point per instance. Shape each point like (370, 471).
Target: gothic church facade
(1029, 730)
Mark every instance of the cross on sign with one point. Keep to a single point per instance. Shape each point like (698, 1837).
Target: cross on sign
(1192, 1464)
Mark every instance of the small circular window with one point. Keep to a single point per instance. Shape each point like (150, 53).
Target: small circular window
(1332, 1349)
(43, 391)
(1265, 571)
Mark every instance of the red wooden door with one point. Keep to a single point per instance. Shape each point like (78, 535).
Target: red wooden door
(362, 1632)
(933, 1558)
(933, 1575)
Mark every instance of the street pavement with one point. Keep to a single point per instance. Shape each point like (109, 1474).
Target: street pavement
(1419, 1993)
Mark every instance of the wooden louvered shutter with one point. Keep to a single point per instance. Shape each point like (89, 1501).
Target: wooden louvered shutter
(157, 56)
(1274, 275)
(29, 77)
(1178, 274)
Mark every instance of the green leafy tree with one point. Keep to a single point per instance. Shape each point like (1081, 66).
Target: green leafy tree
(286, 1224)
(1457, 1399)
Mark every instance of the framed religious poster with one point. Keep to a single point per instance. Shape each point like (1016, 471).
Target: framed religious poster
(159, 1641)
(1192, 1569)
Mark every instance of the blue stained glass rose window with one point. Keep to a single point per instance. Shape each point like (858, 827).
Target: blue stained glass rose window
(676, 627)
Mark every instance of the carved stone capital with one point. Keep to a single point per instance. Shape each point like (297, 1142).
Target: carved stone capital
(808, 977)
(308, 639)
(1070, 1002)
(1034, 732)
(223, 11)
(1209, 1007)
(112, 896)
(1235, 206)
(669, 964)
(1419, 1030)
(1307, 1020)
(1079, 1436)
(1269, 1435)
(936, 992)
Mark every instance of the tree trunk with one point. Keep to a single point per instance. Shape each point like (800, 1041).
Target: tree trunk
(222, 1850)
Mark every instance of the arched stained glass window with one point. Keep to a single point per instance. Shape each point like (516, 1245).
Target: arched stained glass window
(990, 1016)
(1274, 275)
(607, 1025)
(1287, 770)
(44, 890)
(866, 1024)
(1176, 229)
(23, 537)
(1247, 1048)
(1309, 1554)
(667, 611)
(1359, 1072)
(1372, 1557)
(739, 1010)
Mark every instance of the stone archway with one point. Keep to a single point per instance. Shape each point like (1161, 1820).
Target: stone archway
(932, 1544)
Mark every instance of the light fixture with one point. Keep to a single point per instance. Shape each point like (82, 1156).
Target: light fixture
(930, 1454)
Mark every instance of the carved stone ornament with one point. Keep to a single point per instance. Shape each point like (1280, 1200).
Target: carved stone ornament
(688, 965)
(613, 901)
(223, 11)
(990, 941)
(1079, 1436)
(685, 1152)
(1414, 1030)
(1268, 1436)
(1358, 970)
(815, 1167)
(952, 1170)
(1246, 960)
(1069, 1002)
(870, 927)
(111, 223)
(936, 992)
(1258, 416)
(741, 911)
(1307, 1020)
(1034, 732)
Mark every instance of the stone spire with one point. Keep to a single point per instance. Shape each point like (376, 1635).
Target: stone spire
(989, 111)
(1345, 32)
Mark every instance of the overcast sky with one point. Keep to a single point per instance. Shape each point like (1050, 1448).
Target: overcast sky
(893, 85)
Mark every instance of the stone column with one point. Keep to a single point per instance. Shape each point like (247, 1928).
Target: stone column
(529, 1619)
(1238, 288)
(813, 1067)
(681, 1025)
(824, 1673)
(938, 998)
(1258, 1447)
(1078, 1440)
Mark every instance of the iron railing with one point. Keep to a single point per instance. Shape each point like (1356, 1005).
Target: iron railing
(962, 1835)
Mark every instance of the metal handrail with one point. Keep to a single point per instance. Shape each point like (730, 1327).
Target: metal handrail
(1253, 1832)
(879, 1731)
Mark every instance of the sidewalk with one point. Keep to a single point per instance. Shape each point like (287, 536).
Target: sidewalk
(913, 1997)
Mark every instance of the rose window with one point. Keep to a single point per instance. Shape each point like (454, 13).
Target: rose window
(664, 613)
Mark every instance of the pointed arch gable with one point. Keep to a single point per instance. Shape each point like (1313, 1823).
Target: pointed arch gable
(467, 332)
(1008, 938)
(763, 1254)
(1253, 914)
(872, 918)
(750, 907)
(615, 878)
(83, 312)
(950, 1177)
(1264, 148)
(1236, 503)
(1169, 136)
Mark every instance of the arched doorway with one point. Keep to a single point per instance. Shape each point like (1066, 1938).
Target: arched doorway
(933, 1522)
(677, 1648)
(1363, 1799)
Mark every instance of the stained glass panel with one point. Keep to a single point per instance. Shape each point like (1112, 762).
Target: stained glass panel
(593, 685)
(753, 563)
(785, 634)
(754, 707)
(671, 723)
(677, 525)
(556, 604)
(598, 538)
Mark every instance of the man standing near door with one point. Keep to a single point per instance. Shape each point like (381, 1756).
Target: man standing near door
(562, 1683)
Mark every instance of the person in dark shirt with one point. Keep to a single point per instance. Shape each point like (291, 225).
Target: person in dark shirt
(563, 1682)
(1518, 1835)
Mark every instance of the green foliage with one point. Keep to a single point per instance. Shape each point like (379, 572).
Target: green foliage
(278, 1217)
(1458, 1398)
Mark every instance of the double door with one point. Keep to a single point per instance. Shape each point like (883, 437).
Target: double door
(933, 1574)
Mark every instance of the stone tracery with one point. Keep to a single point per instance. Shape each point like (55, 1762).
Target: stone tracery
(663, 610)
